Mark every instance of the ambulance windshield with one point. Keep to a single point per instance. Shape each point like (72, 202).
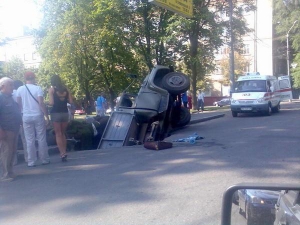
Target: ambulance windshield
(251, 86)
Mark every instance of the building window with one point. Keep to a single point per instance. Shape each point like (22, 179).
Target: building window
(246, 49)
(247, 68)
(225, 51)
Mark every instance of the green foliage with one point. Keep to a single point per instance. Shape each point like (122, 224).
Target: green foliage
(240, 65)
(14, 69)
(93, 44)
(286, 13)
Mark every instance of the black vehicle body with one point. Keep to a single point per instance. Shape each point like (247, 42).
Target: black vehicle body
(158, 101)
(155, 110)
(288, 208)
(229, 195)
(258, 205)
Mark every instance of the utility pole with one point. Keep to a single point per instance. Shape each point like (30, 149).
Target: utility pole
(231, 56)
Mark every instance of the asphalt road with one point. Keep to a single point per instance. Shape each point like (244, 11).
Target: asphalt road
(182, 185)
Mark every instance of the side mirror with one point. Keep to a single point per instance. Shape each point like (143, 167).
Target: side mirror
(259, 204)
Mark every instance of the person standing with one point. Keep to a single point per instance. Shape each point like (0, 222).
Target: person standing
(59, 97)
(190, 104)
(200, 101)
(10, 121)
(17, 84)
(184, 99)
(100, 105)
(31, 101)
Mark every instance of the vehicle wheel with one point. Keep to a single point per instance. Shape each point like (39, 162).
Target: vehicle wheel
(176, 83)
(234, 114)
(269, 111)
(185, 117)
(276, 109)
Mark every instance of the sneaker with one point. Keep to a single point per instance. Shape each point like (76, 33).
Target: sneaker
(31, 165)
(7, 179)
(46, 163)
(64, 158)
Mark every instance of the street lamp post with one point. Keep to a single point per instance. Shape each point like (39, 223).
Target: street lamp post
(288, 48)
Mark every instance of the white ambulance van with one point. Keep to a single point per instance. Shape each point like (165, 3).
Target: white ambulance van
(259, 94)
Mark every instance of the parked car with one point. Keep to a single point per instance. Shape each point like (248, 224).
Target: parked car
(223, 102)
(258, 206)
(80, 112)
(288, 208)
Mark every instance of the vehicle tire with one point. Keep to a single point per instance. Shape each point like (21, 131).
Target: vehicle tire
(185, 117)
(234, 114)
(176, 83)
(269, 111)
(276, 109)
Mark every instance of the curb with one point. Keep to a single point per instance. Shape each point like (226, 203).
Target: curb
(206, 119)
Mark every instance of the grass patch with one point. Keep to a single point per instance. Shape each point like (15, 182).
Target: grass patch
(212, 108)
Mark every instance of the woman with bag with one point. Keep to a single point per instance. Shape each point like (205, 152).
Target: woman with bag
(59, 97)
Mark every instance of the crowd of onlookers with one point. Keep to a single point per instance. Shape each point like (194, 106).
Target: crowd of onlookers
(186, 99)
(23, 112)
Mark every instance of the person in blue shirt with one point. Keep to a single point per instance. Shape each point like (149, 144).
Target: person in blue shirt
(184, 99)
(100, 104)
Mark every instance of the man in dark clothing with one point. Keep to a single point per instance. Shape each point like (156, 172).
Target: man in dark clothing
(10, 121)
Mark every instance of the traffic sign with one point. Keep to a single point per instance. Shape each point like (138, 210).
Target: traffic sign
(182, 7)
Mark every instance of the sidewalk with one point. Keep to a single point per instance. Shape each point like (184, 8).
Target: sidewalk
(206, 115)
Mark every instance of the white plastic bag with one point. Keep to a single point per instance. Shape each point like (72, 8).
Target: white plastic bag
(95, 130)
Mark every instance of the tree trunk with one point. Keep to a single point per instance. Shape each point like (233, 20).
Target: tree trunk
(193, 63)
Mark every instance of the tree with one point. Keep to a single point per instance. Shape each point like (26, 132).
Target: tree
(286, 13)
(77, 45)
(198, 38)
(240, 67)
(14, 69)
(94, 43)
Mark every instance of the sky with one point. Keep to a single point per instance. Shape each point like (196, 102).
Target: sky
(14, 14)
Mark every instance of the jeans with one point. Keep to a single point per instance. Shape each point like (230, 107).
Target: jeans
(35, 129)
(200, 105)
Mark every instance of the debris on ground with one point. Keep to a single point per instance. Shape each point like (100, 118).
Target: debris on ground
(191, 139)
(157, 145)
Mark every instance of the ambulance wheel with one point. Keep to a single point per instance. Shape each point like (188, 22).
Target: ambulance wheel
(234, 114)
(269, 111)
(276, 109)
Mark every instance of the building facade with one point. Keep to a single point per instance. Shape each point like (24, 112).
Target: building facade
(23, 48)
(258, 47)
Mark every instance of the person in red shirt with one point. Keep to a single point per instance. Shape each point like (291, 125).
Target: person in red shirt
(190, 105)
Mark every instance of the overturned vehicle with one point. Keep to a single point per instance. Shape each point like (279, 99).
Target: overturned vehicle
(150, 115)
